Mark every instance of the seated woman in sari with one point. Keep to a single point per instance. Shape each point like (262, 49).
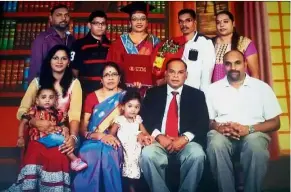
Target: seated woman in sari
(42, 168)
(132, 51)
(228, 39)
(101, 151)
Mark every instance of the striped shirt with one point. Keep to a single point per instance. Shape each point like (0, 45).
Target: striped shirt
(88, 56)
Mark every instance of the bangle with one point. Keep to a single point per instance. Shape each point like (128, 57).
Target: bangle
(29, 123)
(74, 137)
(88, 135)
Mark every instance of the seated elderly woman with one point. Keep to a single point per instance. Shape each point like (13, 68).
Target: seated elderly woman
(100, 150)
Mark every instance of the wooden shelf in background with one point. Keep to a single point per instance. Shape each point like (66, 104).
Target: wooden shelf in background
(76, 15)
(15, 52)
(19, 94)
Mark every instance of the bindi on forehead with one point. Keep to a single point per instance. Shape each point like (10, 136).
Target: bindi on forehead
(110, 70)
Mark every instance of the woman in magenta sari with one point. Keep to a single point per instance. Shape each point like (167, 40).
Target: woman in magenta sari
(228, 39)
(136, 46)
(100, 150)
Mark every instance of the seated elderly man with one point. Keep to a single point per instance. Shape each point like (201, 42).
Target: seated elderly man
(242, 111)
(176, 115)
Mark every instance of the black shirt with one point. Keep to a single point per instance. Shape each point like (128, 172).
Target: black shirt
(88, 56)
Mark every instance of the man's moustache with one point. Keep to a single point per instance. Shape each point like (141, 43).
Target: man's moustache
(234, 72)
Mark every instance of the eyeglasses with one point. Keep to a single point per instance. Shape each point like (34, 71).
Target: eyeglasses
(138, 19)
(98, 24)
(107, 75)
(186, 21)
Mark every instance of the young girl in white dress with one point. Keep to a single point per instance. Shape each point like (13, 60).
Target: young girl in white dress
(132, 134)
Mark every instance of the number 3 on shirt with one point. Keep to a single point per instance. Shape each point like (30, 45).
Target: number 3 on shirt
(73, 55)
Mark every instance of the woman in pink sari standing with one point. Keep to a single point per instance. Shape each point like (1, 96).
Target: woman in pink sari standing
(228, 39)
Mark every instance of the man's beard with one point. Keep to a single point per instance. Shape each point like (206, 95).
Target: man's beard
(61, 27)
(233, 78)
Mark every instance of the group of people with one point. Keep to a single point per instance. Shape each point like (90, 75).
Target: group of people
(206, 103)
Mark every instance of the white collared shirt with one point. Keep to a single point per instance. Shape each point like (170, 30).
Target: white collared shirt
(199, 71)
(254, 102)
(157, 132)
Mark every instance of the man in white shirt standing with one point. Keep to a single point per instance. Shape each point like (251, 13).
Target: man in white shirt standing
(242, 111)
(199, 52)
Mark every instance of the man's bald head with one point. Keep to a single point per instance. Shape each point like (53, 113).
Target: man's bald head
(233, 53)
(234, 65)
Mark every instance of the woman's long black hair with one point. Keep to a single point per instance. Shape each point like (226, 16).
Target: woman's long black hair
(46, 78)
(235, 35)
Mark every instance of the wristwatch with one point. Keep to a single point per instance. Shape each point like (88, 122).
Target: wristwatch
(251, 129)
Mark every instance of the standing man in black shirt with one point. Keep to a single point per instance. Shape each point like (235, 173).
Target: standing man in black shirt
(88, 54)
